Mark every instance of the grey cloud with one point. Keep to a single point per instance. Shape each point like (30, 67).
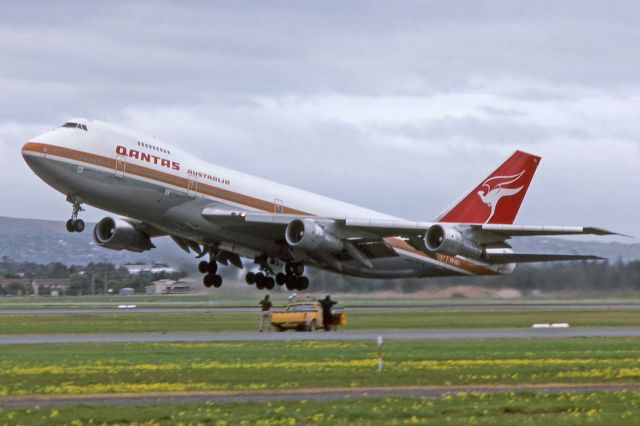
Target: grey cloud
(316, 94)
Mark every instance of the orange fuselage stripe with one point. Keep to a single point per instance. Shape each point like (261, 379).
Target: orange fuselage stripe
(159, 176)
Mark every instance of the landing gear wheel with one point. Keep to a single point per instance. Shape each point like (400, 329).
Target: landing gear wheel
(298, 268)
(217, 281)
(250, 278)
(78, 226)
(260, 281)
(292, 283)
(303, 283)
(203, 267)
(74, 224)
(207, 280)
(288, 269)
(269, 283)
(281, 278)
(212, 268)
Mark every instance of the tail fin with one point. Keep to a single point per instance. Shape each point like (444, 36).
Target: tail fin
(496, 199)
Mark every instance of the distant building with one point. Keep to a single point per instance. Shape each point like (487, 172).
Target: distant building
(126, 291)
(55, 285)
(167, 287)
(154, 268)
(22, 281)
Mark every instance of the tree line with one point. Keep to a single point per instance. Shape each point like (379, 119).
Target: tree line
(585, 276)
(93, 278)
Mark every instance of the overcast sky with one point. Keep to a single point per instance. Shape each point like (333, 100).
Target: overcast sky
(397, 106)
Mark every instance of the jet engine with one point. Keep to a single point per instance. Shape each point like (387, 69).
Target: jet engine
(311, 237)
(450, 241)
(118, 234)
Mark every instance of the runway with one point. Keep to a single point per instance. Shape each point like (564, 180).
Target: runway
(372, 308)
(315, 394)
(431, 334)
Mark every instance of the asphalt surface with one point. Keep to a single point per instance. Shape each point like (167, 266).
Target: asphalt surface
(240, 309)
(295, 395)
(431, 334)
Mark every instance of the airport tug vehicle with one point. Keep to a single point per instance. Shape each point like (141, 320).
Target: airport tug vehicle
(305, 316)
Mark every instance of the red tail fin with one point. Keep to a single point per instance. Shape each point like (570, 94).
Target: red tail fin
(498, 198)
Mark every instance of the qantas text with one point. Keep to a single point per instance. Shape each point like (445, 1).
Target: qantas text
(149, 158)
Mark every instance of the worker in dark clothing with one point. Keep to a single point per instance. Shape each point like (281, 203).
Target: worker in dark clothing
(326, 305)
(265, 317)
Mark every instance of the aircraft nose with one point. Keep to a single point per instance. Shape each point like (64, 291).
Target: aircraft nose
(30, 149)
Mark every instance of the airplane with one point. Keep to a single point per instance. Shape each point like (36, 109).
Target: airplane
(156, 189)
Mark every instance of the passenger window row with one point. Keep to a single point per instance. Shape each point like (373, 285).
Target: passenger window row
(153, 147)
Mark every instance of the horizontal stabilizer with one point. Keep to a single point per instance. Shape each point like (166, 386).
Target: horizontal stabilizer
(534, 231)
(501, 258)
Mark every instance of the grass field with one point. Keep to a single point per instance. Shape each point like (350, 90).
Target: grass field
(102, 369)
(159, 367)
(131, 321)
(595, 408)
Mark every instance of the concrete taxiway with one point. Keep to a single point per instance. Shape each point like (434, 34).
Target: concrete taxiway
(431, 334)
(316, 394)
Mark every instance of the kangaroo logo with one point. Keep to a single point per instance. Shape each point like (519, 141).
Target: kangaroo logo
(493, 189)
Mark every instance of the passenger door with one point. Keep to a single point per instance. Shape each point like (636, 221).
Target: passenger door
(278, 206)
(121, 165)
(192, 186)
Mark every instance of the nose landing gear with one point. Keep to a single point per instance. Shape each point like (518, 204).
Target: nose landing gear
(74, 224)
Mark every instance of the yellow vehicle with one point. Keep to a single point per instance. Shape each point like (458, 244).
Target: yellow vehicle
(305, 316)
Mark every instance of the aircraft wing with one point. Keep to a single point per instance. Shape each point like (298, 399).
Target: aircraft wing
(501, 232)
(398, 228)
(357, 234)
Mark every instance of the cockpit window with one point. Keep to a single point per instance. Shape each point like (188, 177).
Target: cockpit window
(73, 125)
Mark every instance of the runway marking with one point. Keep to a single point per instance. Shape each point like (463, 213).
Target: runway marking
(313, 394)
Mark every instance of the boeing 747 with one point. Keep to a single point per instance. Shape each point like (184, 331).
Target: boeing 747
(222, 215)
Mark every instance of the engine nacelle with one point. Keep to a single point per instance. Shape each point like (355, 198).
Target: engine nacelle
(450, 241)
(118, 234)
(311, 237)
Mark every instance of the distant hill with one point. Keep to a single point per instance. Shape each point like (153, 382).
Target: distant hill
(46, 241)
(614, 252)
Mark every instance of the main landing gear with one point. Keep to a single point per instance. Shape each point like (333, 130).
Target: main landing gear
(210, 269)
(292, 277)
(74, 224)
(263, 279)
